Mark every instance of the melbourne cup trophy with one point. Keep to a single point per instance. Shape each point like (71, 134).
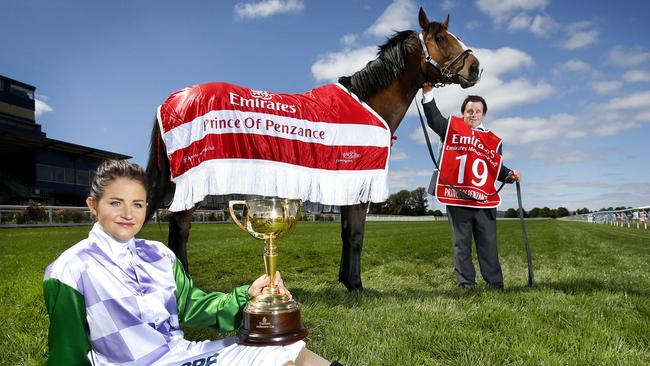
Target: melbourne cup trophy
(270, 318)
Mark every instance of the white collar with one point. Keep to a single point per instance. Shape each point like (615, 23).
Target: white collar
(121, 249)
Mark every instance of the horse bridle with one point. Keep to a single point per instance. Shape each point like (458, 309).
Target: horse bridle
(446, 72)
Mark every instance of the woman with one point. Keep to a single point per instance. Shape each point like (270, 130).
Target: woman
(113, 299)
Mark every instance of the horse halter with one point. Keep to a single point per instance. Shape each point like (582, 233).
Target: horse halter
(446, 72)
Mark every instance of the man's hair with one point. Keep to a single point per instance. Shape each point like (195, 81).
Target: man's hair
(111, 170)
(474, 98)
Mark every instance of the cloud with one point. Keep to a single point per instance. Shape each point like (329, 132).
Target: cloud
(418, 136)
(567, 157)
(633, 101)
(398, 154)
(329, 67)
(472, 24)
(447, 5)
(41, 107)
(636, 76)
(397, 16)
(604, 87)
(502, 10)
(522, 130)
(349, 39)
(580, 39)
(267, 8)
(574, 66)
(406, 178)
(621, 113)
(541, 25)
(520, 22)
(627, 57)
(502, 60)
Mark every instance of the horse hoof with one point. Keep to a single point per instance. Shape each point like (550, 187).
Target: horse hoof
(353, 288)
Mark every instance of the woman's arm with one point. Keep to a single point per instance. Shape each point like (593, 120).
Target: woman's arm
(67, 339)
(199, 309)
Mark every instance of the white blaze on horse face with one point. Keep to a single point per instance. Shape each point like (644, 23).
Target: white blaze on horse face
(458, 40)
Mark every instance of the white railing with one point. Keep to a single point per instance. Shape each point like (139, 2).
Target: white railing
(637, 217)
(38, 215)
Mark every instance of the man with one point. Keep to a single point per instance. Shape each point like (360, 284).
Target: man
(470, 221)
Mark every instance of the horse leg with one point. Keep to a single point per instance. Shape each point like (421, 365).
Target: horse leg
(353, 221)
(179, 232)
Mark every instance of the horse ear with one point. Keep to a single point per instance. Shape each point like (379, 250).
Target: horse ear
(424, 21)
(445, 24)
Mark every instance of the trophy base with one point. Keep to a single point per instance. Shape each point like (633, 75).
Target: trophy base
(271, 329)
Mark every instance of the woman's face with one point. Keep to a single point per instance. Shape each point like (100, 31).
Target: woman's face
(121, 209)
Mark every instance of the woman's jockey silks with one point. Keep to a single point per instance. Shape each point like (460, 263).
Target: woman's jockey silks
(469, 163)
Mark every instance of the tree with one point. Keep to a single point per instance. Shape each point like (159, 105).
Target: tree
(511, 213)
(546, 212)
(378, 208)
(403, 203)
(582, 211)
(420, 201)
(400, 203)
(562, 212)
(535, 212)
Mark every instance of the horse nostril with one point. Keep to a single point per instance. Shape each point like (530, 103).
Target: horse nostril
(474, 70)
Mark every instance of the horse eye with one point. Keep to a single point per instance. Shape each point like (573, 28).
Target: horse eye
(439, 39)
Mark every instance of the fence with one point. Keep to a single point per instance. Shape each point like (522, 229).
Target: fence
(631, 217)
(36, 215)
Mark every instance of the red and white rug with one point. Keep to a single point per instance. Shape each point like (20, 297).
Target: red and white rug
(323, 146)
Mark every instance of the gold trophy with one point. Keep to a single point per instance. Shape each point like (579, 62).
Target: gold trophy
(270, 318)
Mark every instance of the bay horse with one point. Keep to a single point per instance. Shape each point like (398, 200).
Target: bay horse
(388, 84)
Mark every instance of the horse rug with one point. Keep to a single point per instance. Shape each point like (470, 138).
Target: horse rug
(323, 146)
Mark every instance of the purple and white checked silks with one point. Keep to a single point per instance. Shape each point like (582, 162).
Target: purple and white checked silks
(129, 291)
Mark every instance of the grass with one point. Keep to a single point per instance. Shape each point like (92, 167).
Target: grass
(591, 307)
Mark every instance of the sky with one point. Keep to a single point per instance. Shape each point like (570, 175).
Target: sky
(567, 82)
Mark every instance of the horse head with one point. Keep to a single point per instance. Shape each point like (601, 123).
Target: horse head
(445, 59)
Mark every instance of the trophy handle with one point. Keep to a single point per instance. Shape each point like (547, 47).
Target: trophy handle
(246, 226)
(231, 206)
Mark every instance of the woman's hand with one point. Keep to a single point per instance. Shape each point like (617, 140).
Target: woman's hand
(263, 281)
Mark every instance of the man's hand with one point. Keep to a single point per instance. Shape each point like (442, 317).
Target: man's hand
(427, 87)
(515, 175)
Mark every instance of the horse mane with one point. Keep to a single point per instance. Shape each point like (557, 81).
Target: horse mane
(383, 70)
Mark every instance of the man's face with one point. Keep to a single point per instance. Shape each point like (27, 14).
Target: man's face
(473, 114)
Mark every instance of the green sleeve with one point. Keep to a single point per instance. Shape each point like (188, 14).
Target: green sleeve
(67, 339)
(217, 309)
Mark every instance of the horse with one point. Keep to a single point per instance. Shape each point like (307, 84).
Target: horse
(388, 85)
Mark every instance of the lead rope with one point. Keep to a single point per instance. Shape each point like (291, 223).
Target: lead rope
(458, 191)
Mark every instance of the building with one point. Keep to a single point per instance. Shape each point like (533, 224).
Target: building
(35, 167)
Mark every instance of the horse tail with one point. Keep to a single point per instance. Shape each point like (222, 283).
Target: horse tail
(158, 172)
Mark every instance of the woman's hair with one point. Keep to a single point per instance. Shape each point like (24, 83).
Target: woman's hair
(111, 170)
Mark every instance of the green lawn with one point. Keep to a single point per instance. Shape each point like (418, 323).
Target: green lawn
(591, 307)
